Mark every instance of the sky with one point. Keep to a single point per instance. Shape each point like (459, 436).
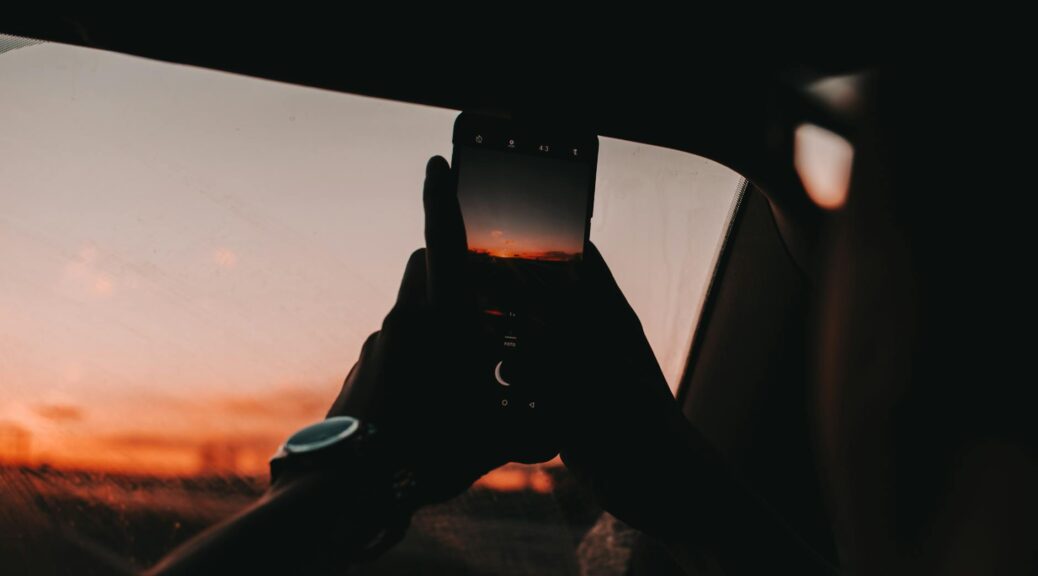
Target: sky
(190, 260)
(518, 205)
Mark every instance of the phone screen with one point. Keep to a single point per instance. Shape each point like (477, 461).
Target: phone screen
(526, 196)
(522, 206)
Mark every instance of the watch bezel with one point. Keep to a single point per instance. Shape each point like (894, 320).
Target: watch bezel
(292, 447)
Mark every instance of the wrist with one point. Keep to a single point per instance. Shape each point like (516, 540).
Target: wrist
(318, 521)
(342, 474)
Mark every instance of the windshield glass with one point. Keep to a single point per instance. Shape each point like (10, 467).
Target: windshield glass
(191, 261)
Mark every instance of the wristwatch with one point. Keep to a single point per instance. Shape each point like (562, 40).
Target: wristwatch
(330, 445)
(351, 450)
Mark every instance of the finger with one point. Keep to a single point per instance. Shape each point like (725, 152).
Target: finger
(596, 270)
(353, 394)
(602, 295)
(413, 287)
(445, 241)
(598, 280)
(411, 298)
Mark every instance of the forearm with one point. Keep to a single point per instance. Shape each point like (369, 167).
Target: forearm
(651, 468)
(292, 529)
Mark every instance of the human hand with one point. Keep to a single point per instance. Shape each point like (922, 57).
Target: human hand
(420, 379)
(622, 433)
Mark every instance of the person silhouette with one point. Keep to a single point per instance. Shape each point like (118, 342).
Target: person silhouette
(409, 428)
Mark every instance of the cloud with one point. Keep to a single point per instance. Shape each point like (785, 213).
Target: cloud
(103, 285)
(558, 256)
(278, 404)
(496, 234)
(87, 254)
(85, 271)
(285, 403)
(149, 440)
(146, 440)
(59, 412)
(225, 258)
(12, 428)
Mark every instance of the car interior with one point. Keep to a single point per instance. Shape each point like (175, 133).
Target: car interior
(848, 354)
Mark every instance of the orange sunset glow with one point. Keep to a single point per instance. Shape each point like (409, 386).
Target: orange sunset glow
(518, 206)
(192, 259)
(547, 256)
(500, 244)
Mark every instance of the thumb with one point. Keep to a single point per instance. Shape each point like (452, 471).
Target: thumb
(445, 241)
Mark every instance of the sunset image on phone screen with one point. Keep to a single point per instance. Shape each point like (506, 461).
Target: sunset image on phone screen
(520, 206)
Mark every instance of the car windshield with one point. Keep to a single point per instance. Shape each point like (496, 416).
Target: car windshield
(191, 262)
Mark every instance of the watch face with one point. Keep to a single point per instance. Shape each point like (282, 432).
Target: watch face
(322, 434)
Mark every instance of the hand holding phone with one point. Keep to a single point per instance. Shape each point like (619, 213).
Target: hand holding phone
(526, 192)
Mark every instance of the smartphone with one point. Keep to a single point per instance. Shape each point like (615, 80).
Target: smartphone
(526, 191)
